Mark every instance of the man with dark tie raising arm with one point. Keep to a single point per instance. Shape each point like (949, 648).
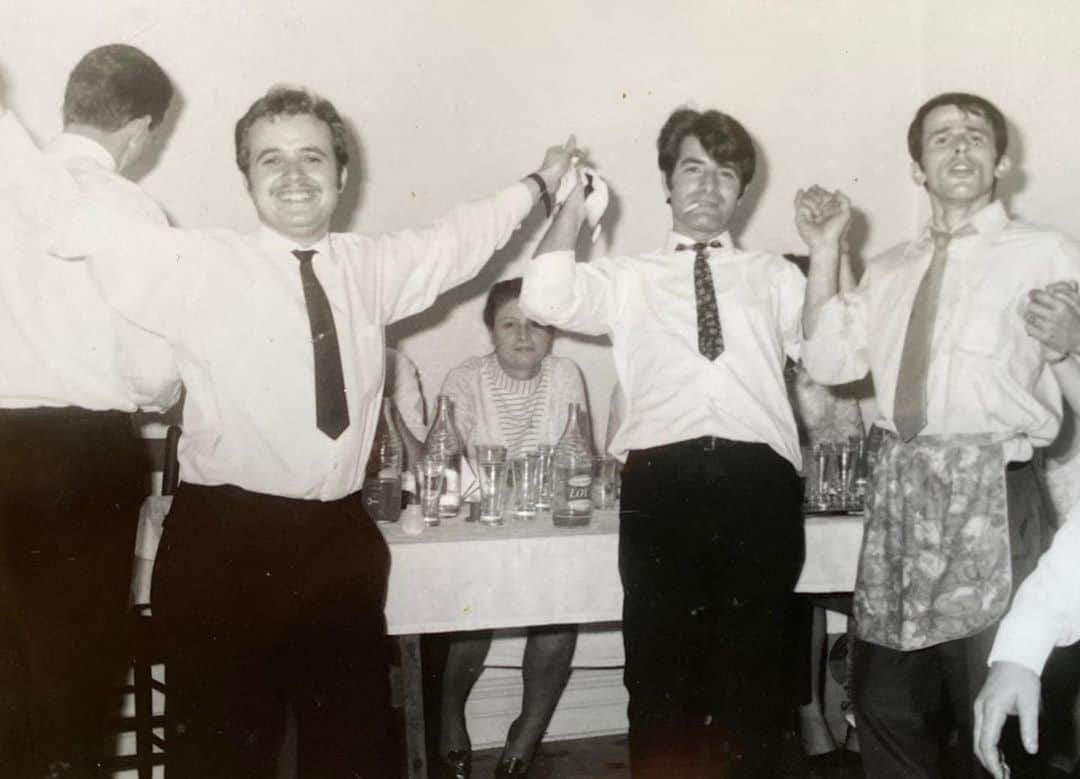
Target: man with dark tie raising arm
(711, 536)
(957, 516)
(270, 578)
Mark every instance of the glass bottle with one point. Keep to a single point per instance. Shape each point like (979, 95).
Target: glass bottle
(571, 481)
(443, 441)
(382, 477)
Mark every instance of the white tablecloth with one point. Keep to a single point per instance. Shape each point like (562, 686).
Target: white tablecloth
(463, 575)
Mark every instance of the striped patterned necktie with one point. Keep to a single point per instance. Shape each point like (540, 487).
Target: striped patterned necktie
(710, 336)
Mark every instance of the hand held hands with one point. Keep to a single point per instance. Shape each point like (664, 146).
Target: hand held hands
(822, 217)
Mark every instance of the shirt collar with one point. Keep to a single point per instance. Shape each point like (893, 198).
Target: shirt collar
(674, 239)
(988, 220)
(275, 243)
(72, 145)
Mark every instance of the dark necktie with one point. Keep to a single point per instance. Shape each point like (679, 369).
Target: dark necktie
(331, 411)
(709, 335)
(909, 403)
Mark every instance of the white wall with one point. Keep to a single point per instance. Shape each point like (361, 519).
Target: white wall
(452, 99)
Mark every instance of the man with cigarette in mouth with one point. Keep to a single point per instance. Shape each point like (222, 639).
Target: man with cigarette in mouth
(711, 536)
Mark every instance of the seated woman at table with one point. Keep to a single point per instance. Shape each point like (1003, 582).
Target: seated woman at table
(516, 396)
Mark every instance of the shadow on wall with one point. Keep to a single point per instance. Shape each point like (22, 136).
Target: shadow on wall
(351, 198)
(1016, 180)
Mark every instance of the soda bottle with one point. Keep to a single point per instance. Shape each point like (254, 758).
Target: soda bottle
(571, 481)
(382, 477)
(443, 440)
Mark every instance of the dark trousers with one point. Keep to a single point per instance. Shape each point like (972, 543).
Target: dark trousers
(269, 604)
(908, 704)
(710, 547)
(71, 482)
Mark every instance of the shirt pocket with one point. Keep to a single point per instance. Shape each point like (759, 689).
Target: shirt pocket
(985, 330)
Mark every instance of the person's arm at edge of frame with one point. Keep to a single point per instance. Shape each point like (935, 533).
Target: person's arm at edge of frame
(1045, 613)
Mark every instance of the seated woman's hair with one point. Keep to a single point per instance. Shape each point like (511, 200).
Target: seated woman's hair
(500, 292)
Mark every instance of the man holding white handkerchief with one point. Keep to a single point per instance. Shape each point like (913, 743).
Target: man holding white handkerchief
(711, 536)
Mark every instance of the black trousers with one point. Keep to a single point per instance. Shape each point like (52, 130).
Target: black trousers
(71, 482)
(270, 604)
(910, 704)
(710, 546)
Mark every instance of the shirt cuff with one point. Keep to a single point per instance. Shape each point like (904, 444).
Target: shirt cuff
(1023, 641)
(548, 285)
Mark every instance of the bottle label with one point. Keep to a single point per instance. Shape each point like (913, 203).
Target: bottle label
(579, 493)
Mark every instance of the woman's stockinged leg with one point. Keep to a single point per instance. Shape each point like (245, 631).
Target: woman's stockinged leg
(545, 670)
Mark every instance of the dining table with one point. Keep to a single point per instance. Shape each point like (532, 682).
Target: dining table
(466, 575)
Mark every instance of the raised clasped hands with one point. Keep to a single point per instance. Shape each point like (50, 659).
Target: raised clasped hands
(1052, 317)
(822, 217)
(558, 160)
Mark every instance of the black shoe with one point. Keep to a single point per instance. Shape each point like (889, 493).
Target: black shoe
(515, 766)
(456, 764)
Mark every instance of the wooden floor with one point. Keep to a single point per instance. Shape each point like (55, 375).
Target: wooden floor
(606, 758)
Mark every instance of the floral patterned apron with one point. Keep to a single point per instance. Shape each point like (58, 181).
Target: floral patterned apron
(935, 563)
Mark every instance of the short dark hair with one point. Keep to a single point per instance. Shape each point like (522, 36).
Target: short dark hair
(722, 137)
(114, 84)
(500, 292)
(290, 101)
(966, 103)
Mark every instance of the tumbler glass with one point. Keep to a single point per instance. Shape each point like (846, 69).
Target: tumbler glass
(491, 473)
(525, 474)
(430, 471)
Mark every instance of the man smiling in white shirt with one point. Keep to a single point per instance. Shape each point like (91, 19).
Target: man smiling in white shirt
(711, 537)
(270, 577)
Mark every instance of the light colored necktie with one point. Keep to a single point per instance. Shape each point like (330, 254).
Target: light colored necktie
(909, 404)
(710, 336)
(331, 410)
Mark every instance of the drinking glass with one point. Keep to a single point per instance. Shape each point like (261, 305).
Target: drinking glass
(543, 500)
(827, 475)
(491, 473)
(605, 482)
(859, 473)
(525, 472)
(430, 472)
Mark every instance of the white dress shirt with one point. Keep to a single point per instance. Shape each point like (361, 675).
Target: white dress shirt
(1046, 610)
(232, 306)
(60, 343)
(646, 304)
(986, 375)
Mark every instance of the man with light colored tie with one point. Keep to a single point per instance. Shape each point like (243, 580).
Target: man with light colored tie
(957, 516)
(270, 578)
(711, 535)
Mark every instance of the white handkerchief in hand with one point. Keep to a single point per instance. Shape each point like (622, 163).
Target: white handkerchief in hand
(596, 199)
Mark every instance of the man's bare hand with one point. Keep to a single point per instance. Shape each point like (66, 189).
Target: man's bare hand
(1052, 317)
(557, 160)
(822, 217)
(1010, 688)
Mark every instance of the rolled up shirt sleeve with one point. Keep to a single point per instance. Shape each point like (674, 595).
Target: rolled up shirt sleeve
(1046, 610)
(557, 290)
(836, 353)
